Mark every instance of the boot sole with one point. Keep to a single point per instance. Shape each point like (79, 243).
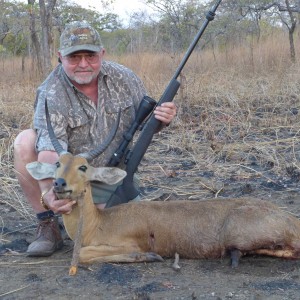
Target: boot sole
(46, 253)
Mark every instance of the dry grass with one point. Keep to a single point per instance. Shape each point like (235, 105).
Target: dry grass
(238, 117)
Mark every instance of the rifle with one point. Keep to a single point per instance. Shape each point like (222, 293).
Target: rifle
(127, 191)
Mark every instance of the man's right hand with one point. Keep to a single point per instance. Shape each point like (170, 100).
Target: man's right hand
(58, 206)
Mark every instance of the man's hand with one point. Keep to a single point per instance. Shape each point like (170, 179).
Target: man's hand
(166, 112)
(61, 206)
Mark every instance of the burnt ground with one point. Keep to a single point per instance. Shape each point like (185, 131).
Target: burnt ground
(167, 173)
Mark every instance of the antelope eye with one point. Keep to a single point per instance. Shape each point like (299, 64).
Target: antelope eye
(83, 168)
(57, 164)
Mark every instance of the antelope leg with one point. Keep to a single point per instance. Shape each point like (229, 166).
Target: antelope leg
(235, 256)
(175, 265)
(89, 255)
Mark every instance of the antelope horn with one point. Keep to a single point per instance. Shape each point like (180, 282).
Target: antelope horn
(57, 146)
(102, 147)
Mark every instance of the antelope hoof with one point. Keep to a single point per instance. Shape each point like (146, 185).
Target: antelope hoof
(73, 270)
(235, 257)
(153, 256)
(146, 257)
(175, 265)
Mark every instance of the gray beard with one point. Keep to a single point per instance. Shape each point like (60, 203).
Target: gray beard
(85, 80)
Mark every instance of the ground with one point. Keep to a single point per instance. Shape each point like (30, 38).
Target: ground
(172, 174)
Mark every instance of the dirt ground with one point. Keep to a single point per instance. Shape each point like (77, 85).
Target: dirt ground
(176, 176)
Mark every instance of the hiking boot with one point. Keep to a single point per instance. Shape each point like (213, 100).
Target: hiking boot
(48, 238)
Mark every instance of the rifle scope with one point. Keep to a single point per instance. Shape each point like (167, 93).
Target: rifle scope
(145, 108)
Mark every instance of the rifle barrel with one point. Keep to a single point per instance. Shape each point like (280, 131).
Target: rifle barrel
(209, 17)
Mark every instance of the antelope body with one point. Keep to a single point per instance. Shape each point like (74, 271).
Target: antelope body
(148, 231)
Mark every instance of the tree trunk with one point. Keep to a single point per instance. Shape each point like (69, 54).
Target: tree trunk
(291, 32)
(292, 46)
(34, 37)
(47, 41)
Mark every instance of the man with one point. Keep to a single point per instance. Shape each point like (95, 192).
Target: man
(84, 94)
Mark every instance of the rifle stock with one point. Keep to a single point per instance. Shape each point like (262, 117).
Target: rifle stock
(127, 191)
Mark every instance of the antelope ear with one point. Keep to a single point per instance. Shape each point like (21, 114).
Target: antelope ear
(106, 175)
(40, 170)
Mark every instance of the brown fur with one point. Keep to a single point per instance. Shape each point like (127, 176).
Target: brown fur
(193, 229)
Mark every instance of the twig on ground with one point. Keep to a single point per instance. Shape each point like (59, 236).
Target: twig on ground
(14, 291)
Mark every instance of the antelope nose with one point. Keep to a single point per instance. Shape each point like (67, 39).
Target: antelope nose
(59, 185)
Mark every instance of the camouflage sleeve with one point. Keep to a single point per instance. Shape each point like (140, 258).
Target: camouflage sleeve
(137, 88)
(140, 91)
(58, 121)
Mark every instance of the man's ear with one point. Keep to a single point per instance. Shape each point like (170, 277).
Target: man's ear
(102, 52)
(106, 175)
(59, 56)
(40, 170)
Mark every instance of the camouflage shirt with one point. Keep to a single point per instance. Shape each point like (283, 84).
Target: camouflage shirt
(78, 124)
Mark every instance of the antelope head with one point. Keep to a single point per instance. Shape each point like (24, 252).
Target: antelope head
(72, 173)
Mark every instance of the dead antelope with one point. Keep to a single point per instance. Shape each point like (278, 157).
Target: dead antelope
(148, 231)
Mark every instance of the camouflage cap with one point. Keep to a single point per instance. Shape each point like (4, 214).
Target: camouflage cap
(79, 35)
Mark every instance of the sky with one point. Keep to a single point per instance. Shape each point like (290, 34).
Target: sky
(123, 8)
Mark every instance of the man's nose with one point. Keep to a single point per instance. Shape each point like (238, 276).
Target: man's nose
(83, 62)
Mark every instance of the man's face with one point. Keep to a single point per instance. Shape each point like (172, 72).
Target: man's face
(82, 67)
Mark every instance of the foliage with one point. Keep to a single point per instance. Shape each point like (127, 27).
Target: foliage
(172, 30)
(116, 41)
(68, 11)
(13, 27)
(179, 21)
(16, 43)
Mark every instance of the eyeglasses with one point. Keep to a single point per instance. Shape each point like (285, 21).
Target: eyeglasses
(75, 59)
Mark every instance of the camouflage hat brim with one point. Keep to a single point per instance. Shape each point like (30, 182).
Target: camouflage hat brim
(67, 51)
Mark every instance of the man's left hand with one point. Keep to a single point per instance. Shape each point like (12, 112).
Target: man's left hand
(166, 112)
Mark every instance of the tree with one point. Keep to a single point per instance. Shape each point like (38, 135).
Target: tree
(278, 11)
(291, 27)
(13, 25)
(66, 11)
(34, 36)
(179, 20)
(42, 46)
(46, 11)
